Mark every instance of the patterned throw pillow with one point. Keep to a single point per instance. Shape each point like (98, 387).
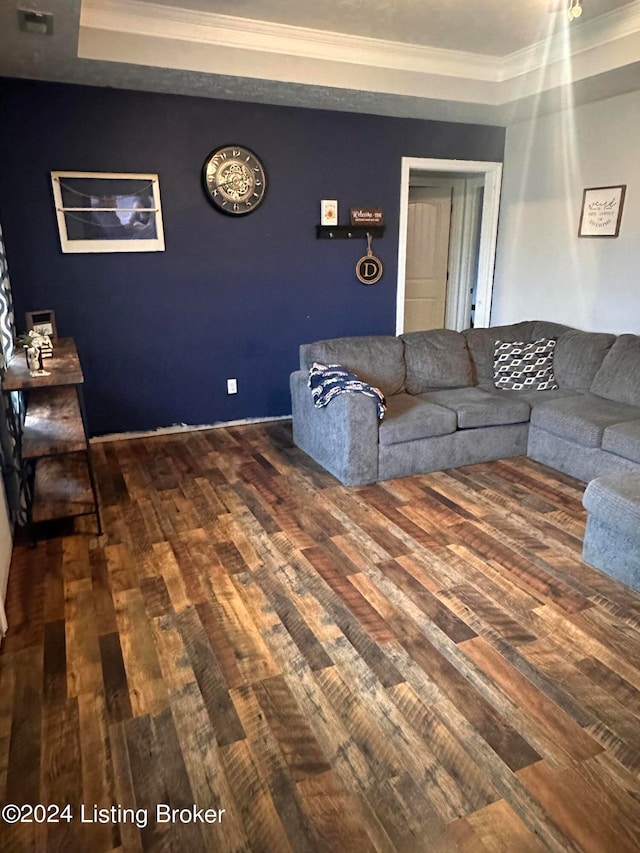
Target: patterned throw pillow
(518, 366)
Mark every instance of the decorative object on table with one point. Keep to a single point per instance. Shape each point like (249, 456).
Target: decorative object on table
(366, 216)
(329, 211)
(108, 212)
(369, 268)
(43, 322)
(35, 345)
(34, 359)
(601, 211)
(235, 181)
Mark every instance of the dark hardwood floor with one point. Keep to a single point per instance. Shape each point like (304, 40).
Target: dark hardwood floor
(420, 665)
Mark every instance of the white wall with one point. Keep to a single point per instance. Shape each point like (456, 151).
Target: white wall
(6, 544)
(543, 270)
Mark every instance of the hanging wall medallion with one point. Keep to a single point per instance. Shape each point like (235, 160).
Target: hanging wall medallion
(369, 268)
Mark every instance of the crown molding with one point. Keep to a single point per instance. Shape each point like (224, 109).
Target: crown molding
(574, 39)
(162, 37)
(170, 22)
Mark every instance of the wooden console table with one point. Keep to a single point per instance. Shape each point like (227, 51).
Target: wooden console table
(53, 442)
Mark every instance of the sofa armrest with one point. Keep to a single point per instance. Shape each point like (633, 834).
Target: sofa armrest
(342, 437)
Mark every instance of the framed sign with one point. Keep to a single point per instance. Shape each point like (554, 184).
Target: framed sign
(329, 211)
(601, 211)
(108, 212)
(43, 322)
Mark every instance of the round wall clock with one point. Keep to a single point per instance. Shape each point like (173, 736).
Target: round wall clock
(234, 180)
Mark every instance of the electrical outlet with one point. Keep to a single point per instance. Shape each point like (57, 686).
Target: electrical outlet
(232, 386)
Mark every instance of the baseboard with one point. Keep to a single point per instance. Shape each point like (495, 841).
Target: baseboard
(176, 428)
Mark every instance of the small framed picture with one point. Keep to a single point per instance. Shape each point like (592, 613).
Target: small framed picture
(329, 211)
(601, 211)
(42, 321)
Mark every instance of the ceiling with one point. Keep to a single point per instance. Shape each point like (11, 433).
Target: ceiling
(486, 61)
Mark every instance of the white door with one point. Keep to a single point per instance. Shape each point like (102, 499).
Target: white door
(428, 223)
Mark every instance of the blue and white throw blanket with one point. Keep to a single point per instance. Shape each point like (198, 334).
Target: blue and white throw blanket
(328, 380)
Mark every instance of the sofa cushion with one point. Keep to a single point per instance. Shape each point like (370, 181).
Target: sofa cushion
(579, 356)
(481, 344)
(619, 376)
(583, 418)
(377, 359)
(436, 359)
(476, 408)
(533, 398)
(519, 366)
(623, 440)
(409, 418)
(547, 329)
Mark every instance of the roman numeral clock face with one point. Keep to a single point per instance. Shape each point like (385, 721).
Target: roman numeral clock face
(234, 180)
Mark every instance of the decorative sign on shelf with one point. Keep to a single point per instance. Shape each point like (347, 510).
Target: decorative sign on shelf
(601, 211)
(367, 216)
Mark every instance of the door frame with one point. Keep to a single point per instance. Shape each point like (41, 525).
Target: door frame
(492, 172)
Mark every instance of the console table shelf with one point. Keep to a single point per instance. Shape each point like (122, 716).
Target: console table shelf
(55, 453)
(62, 488)
(53, 424)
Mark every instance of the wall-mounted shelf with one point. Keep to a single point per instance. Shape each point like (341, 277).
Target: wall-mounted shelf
(348, 232)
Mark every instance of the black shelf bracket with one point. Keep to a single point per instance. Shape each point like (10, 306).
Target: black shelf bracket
(348, 232)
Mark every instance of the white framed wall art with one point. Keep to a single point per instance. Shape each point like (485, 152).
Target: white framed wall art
(108, 212)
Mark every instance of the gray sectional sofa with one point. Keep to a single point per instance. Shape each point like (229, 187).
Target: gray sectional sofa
(444, 410)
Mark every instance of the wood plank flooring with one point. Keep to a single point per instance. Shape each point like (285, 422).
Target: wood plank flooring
(420, 665)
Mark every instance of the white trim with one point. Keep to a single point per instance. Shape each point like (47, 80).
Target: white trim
(603, 31)
(6, 541)
(488, 240)
(456, 254)
(468, 252)
(177, 428)
(248, 34)
(488, 232)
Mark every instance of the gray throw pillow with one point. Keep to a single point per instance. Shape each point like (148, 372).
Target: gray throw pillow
(377, 359)
(519, 366)
(619, 375)
(437, 358)
(578, 357)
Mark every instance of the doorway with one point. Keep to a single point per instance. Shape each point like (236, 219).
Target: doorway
(447, 239)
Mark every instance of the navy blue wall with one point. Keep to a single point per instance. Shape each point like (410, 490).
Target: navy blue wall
(159, 333)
